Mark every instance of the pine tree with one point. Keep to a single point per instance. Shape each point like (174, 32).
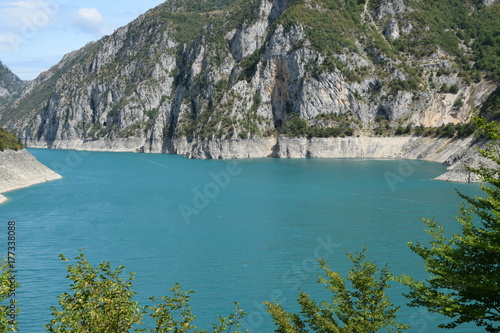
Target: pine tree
(367, 309)
(464, 282)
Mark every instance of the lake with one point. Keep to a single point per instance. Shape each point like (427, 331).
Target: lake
(242, 231)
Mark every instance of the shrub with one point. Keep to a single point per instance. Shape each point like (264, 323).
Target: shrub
(9, 141)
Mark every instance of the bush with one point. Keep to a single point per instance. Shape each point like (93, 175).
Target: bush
(9, 141)
(491, 109)
(453, 89)
(464, 130)
(458, 103)
(295, 127)
(419, 130)
(447, 131)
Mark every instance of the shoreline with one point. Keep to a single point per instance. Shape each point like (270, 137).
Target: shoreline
(20, 169)
(452, 152)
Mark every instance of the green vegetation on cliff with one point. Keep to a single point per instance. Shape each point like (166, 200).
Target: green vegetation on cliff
(491, 108)
(199, 6)
(466, 30)
(9, 141)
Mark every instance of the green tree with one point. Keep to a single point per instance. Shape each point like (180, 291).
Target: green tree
(102, 300)
(366, 309)
(296, 126)
(464, 282)
(173, 314)
(8, 306)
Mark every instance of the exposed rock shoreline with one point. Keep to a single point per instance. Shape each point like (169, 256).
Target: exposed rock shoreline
(452, 152)
(19, 169)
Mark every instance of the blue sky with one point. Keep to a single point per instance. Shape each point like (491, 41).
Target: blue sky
(35, 34)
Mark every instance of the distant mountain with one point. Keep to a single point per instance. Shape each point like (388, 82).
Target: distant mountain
(193, 71)
(10, 85)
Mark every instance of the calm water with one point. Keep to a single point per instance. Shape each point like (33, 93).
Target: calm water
(244, 231)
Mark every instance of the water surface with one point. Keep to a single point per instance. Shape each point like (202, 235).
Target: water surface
(237, 230)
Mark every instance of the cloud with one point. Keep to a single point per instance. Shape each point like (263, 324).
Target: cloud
(90, 20)
(15, 15)
(21, 21)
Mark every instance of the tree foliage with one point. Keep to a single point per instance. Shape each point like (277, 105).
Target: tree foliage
(465, 269)
(173, 314)
(366, 309)
(103, 301)
(491, 108)
(9, 141)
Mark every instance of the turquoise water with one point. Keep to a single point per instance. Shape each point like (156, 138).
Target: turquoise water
(242, 230)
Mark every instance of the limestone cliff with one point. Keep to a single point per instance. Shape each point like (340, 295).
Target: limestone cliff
(10, 85)
(211, 78)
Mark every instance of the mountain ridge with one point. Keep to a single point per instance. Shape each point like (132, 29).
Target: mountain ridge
(10, 85)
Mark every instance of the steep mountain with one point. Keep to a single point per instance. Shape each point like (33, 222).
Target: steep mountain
(10, 85)
(225, 78)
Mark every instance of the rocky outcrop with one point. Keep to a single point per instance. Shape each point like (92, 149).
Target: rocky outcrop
(20, 169)
(10, 85)
(488, 2)
(456, 153)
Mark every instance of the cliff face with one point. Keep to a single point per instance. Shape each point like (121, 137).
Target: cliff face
(197, 76)
(10, 85)
(20, 169)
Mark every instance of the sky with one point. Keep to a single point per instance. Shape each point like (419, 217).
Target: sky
(36, 34)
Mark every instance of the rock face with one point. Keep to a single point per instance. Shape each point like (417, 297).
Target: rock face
(488, 2)
(210, 78)
(10, 85)
(452, 152)
(20, 169)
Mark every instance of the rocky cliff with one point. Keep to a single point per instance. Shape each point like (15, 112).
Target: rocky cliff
(234, 78)
(10, 85)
